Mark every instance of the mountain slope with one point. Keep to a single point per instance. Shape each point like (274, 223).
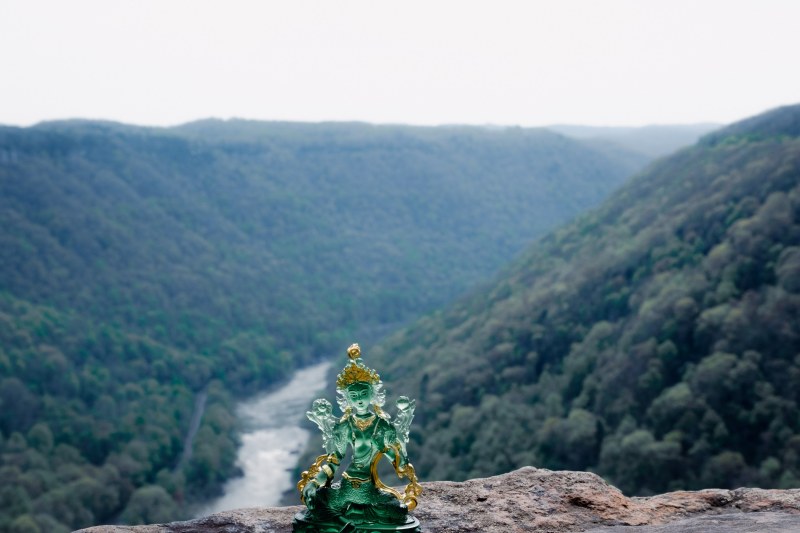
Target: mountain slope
(655, 340)
(143, 268)
(343, 224)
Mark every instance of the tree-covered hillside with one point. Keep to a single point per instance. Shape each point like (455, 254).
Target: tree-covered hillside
(149, 275)
(185, 238)
(655, 340)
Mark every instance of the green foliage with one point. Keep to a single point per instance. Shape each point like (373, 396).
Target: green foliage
(655, 340)
(24, 524)
(149, 277)
(233, 238)
(149, 505)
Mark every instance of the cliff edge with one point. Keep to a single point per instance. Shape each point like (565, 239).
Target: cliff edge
(539, 500)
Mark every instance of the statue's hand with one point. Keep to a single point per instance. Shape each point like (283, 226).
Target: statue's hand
(309, 494)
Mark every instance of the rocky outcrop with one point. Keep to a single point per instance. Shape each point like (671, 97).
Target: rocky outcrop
(539, 500)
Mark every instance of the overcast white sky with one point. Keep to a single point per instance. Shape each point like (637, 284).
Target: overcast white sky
(520, 62)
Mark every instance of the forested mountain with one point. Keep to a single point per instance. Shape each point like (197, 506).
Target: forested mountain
(148, 273)
(655, 340)
(165, 234)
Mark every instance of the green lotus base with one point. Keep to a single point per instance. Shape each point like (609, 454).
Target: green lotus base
(302, 524)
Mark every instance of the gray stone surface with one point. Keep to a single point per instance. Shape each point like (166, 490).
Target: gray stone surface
(539, 500)
(769, 522)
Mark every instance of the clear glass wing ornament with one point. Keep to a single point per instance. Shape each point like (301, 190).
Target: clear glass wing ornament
(403, 418)
(322, 415)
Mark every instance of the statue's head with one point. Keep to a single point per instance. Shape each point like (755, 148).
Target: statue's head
(359, 397)
(359, 387)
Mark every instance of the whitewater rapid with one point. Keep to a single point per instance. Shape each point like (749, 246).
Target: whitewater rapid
(272, 441)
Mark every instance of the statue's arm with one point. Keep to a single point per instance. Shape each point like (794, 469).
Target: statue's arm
(393, 446)
(334, 438)
(340, 437)
(319, 475)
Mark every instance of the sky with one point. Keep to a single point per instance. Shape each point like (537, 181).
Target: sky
(502, 62)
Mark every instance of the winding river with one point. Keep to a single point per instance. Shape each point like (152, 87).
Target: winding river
(272, 440)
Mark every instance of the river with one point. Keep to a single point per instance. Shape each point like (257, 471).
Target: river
(272, 441)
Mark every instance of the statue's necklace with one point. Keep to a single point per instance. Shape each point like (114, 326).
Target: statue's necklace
(363, 423)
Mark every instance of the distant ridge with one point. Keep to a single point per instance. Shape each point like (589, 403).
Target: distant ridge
(654, 140)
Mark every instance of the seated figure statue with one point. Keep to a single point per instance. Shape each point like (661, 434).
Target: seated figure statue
(360, 502)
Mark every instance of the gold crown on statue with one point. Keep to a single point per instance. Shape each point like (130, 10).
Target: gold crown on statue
(355, 371)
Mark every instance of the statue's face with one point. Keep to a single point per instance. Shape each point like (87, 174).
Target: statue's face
(359, 395)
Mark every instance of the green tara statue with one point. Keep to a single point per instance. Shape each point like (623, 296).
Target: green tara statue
(359, 502)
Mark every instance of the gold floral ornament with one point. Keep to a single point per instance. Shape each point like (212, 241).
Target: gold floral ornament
(354, 351)
(308, 475)
(412, 491)
(356, 371)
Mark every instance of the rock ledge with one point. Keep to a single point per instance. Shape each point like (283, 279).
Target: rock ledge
(539, 500)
